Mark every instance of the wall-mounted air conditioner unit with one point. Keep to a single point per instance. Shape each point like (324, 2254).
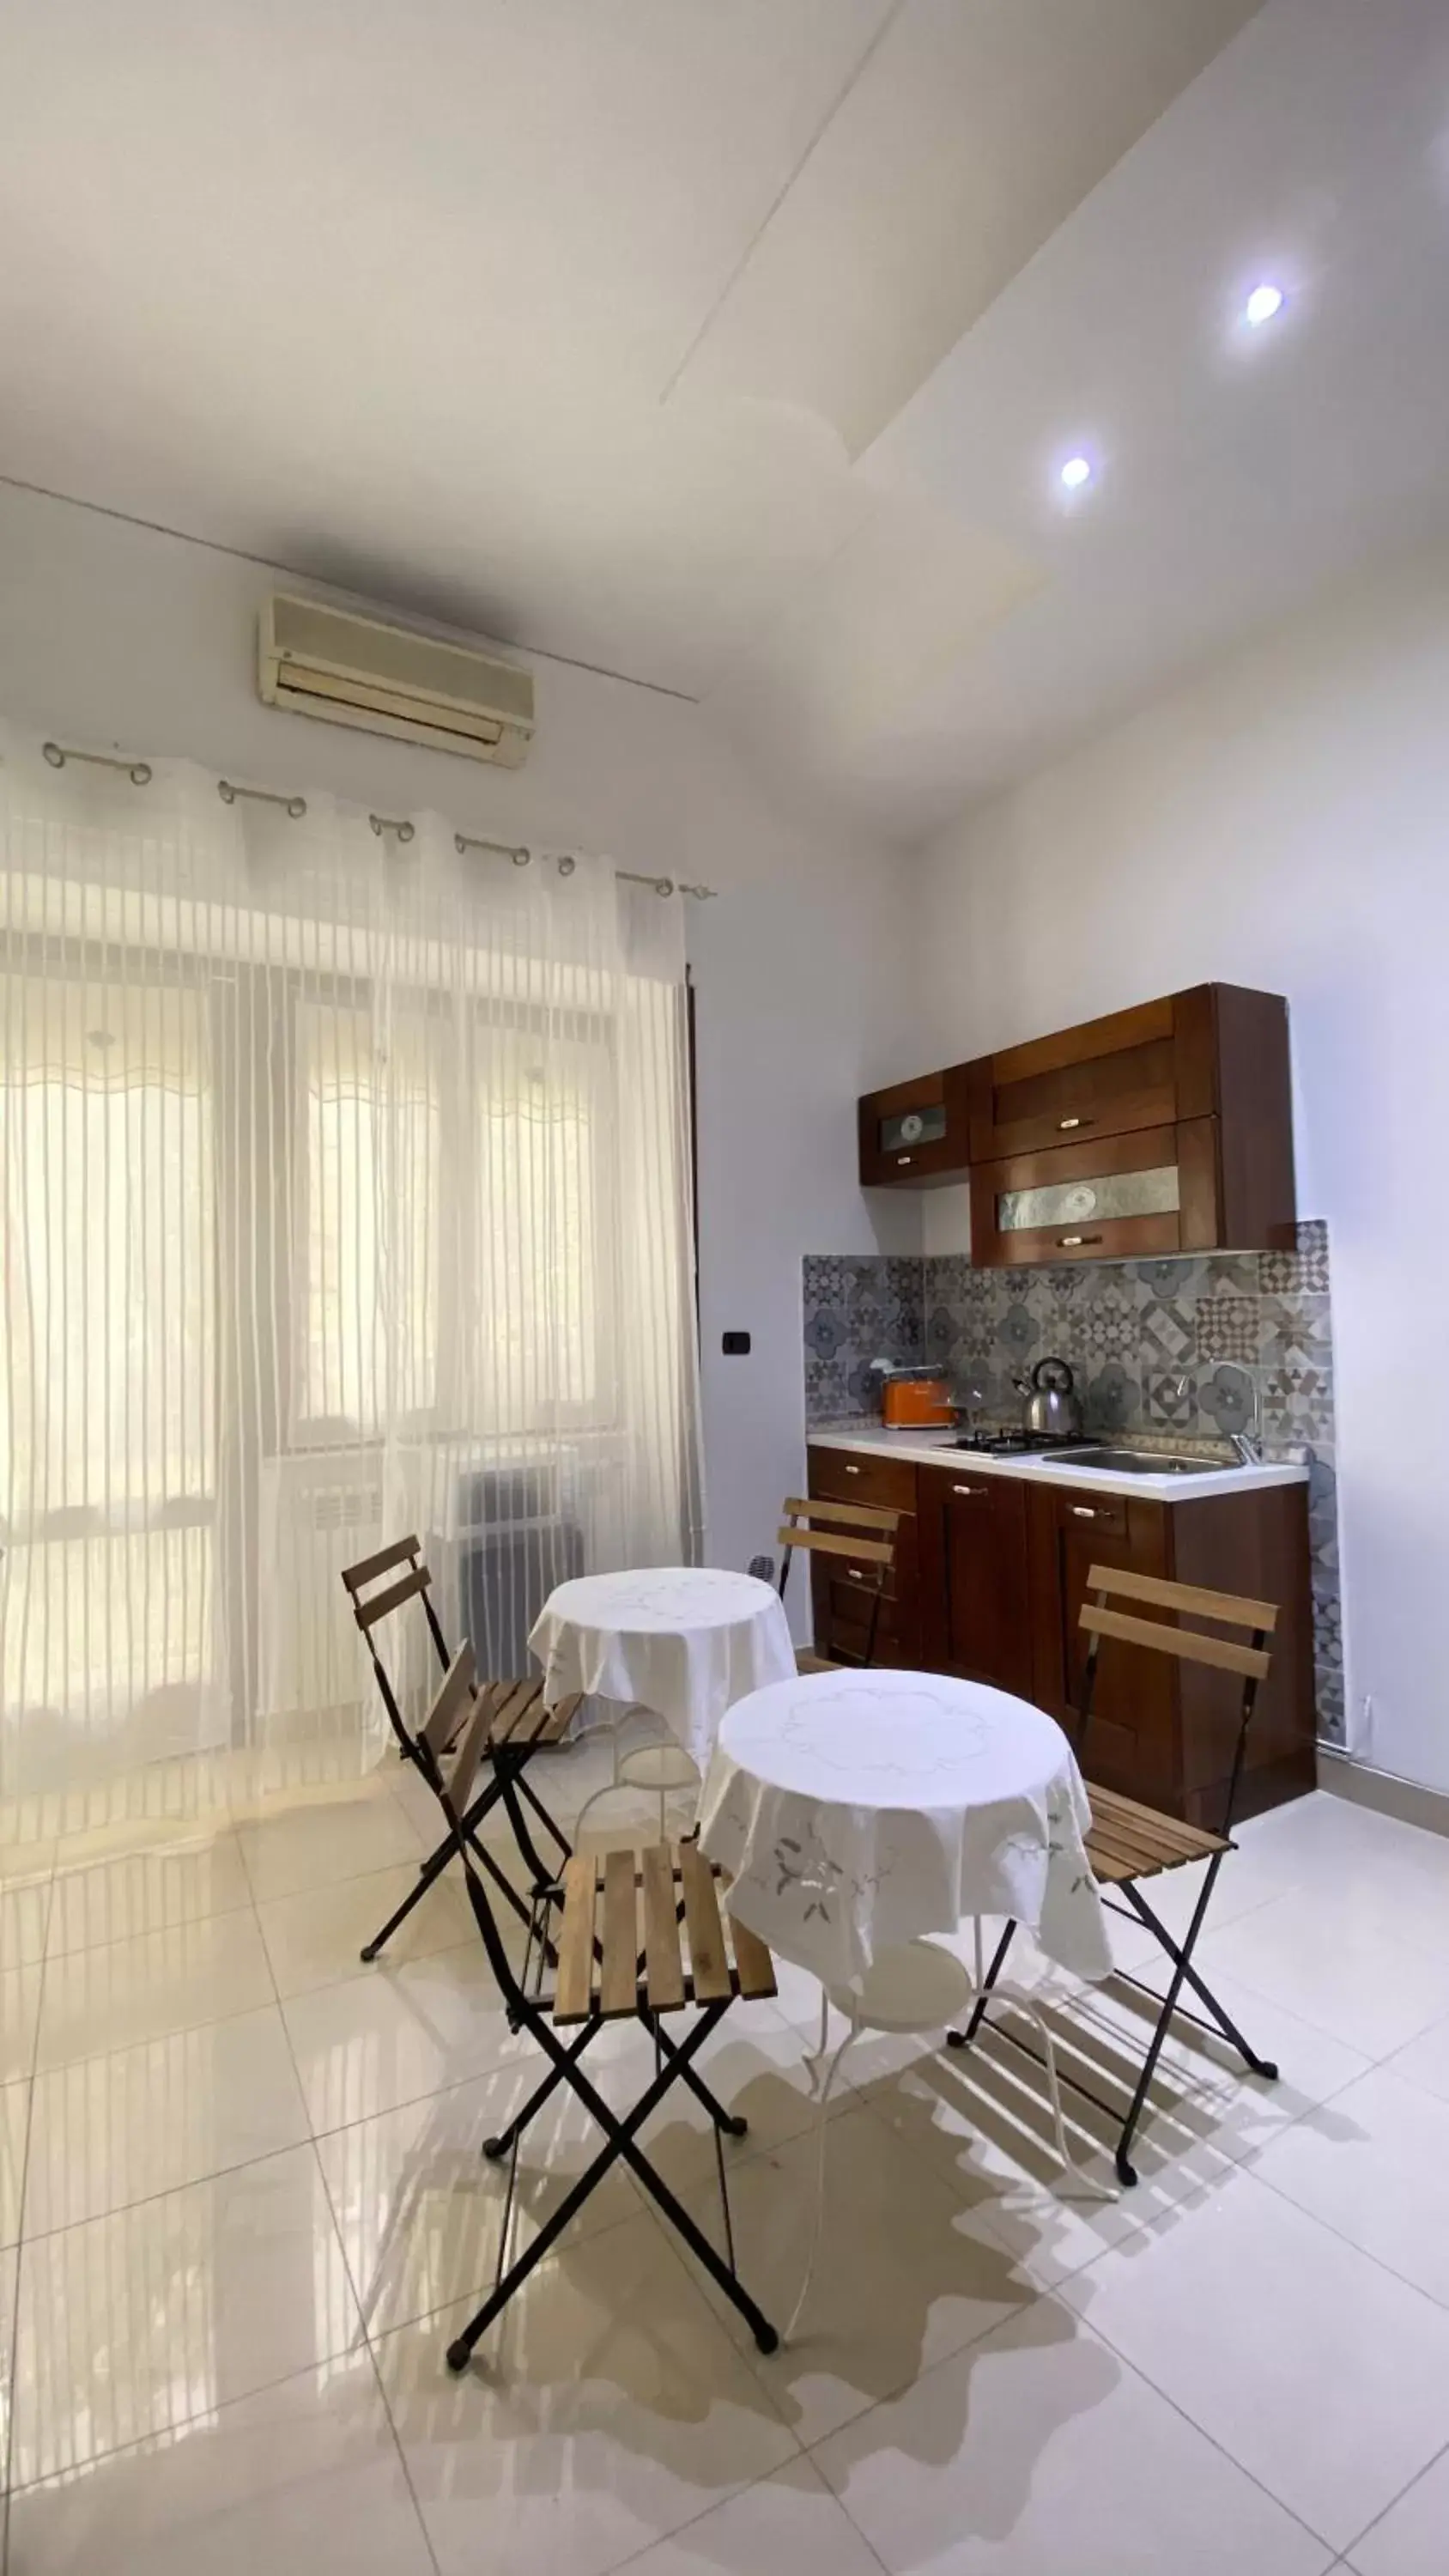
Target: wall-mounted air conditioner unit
(325, 662)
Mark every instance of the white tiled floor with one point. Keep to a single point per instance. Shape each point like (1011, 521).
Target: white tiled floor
(241, 2201)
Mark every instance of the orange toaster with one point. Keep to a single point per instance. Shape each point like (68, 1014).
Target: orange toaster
(916, 1403)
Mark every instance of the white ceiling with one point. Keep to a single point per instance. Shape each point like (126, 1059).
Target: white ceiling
(733, 344)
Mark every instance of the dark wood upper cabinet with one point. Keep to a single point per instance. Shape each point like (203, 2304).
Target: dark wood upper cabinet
(1164, 1129)
(916, 1135)
(1127, 1198)
(1159, 1130)
(1146, 1067)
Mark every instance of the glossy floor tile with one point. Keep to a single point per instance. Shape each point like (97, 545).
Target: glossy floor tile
(316, 1937)
(982, 2115)
(96, 2001)
(396, 2034)
(19, 2018)
(328, 1838)
(1425, 2060)
(112, 2130)
(306, 2475)
(420, 2207)
(1373, 2164)
(907, 2271)
(9, 2290)
(608, 2410)
(1038, 2449)
(1410, 2539)
(184, 1881)
(790, 2521)
(1324, 2375)
(133, 2324)
(14, 2132)
(1307, 1951)
(242, 2207)
(25, 1909)
(24, 1860)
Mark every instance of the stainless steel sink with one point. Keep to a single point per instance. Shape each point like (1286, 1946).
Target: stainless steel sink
(1142, 1462)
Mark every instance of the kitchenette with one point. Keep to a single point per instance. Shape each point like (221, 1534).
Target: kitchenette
(1132, 1368)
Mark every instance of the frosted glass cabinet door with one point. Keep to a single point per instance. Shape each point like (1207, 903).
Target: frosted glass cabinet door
(1073, 1204)
(915, 1133)
(1132, 1197)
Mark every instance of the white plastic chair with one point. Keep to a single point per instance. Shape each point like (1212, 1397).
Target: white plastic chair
(919, 1986)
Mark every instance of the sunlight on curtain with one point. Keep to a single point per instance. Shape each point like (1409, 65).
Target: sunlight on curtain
(345, 1190)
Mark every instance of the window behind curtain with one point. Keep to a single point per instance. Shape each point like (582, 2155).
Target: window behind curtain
(344, 1187)
(107, 1396)
(442, 1182)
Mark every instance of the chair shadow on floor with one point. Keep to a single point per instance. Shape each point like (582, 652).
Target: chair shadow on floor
(618, 2370)
(620, 2366)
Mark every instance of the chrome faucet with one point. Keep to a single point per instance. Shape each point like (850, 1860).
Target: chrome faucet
(1249, 1444)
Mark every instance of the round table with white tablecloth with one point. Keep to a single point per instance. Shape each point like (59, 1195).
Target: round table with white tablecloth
(855, 1811)
(686, 1641)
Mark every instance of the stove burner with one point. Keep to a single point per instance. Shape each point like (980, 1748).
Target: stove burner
(1014, 1444)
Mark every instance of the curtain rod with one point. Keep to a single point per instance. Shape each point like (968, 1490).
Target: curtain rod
(139, 773)
(520, 854)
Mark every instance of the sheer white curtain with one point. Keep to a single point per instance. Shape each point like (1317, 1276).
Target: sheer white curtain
(345, 1189)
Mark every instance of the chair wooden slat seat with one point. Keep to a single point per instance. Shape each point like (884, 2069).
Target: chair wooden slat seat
(1130, 1841)
(807, 1661)
(518, 1714)
(599, 1964)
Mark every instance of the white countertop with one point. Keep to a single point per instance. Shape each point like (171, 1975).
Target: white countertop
(937, 1449)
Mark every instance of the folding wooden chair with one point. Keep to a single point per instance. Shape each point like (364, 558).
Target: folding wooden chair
(1129, 1843)
(518, 1724)
(865, 1534)
(603, 1974)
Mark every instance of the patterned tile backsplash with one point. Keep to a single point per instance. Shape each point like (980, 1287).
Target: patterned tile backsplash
(1210, 1344)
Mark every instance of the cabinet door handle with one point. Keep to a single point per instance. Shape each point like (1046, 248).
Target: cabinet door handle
(903, 1158)
(1069, 1241)
(855, 1574)
(1065, 1125)
(973, 1491)
(852, 1471)
(1083, 1512)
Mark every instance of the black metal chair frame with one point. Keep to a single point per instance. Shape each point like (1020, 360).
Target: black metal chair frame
(1215, 2019)
(875, 1543)
(509, 1760)
(529, 2008)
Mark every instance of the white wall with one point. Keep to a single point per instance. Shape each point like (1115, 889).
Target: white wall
(1284, 822)
(113, 634)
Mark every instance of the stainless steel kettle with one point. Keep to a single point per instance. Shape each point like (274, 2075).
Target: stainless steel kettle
(1053, 1407)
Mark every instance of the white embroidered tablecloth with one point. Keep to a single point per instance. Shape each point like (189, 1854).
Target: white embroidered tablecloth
(857, 1810)
(686, 1641)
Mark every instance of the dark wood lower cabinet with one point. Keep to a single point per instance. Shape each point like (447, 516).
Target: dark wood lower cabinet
(991, 1573)
(971, 1546)
(841, 1595)
(1133, 1731)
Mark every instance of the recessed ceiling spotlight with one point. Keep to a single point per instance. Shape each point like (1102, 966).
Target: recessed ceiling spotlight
(1261, 306)
(1076, 472)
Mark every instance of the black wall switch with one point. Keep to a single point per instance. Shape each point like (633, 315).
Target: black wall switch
(735, 1346)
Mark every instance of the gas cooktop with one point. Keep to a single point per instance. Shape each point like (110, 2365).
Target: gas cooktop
(1015, 1444)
